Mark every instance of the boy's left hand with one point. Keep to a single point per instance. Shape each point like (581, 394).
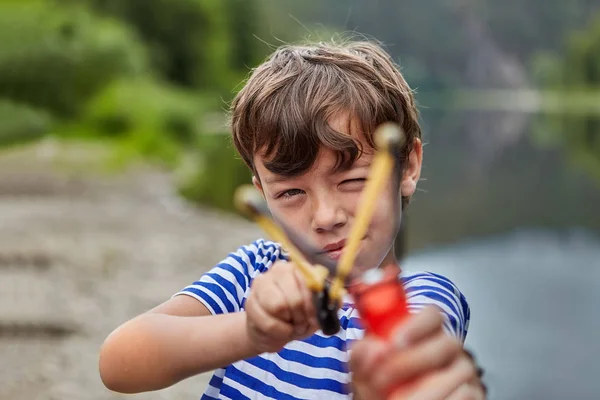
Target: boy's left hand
(424, 363)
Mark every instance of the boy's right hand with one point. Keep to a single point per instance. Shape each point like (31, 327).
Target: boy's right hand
(279, 309)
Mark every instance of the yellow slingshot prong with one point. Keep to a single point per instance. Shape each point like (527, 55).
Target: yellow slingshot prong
(250, 201)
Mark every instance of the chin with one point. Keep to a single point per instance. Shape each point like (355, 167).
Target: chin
(358, 270)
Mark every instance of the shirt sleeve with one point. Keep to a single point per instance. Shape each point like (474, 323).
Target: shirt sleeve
(425, 288)
(223, 288)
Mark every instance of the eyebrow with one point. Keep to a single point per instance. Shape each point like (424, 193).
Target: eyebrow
(276, 179)
(361, 163)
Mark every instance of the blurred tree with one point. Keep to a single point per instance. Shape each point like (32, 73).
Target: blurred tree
(576, 75)
(56, 58)
(203, 44)
(212, 174)
(581, 66)
(437, 42)
(21, 122)
(202, 49)
(148, 119)
(527, 26)
(245, 24)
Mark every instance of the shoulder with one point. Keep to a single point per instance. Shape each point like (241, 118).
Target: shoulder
(413, 280)
(427, 288)
(257, 256)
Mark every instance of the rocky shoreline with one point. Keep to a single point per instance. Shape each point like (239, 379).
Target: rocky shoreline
(80, 254)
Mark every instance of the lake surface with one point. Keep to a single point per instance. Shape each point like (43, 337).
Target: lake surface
(534, 297)
(516, 224)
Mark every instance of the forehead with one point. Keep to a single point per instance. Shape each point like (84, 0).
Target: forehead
(336, 144)
(325, 164)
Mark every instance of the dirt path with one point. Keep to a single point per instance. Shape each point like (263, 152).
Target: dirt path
(80, 254)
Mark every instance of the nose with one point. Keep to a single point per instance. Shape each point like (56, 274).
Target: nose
(328, 214)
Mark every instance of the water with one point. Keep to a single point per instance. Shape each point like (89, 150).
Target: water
(534, 299)
(486, 173)
(516, 225)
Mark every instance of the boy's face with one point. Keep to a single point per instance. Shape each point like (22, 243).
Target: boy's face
(321, 204)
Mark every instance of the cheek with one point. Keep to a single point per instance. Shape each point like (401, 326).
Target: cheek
(351, 202)
(293, 217)
(384, 217)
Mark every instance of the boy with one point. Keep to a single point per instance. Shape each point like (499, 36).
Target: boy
(303, 124)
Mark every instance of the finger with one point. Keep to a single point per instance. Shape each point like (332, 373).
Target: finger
(427, 322)
(429, 355)
(439, 384)
(267, 324)
(467, 392)
(307, 298)
(292, 293)
(364, 356)
(272, 299)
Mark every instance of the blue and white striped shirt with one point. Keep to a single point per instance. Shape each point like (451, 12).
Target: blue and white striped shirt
(316, 367)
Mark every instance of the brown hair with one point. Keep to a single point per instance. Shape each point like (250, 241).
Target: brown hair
(284, 108)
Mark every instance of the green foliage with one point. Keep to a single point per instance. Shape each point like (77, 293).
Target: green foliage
(545, 70)
(581, 67)
(145, 77)
(213, 174)
(578, 73)
(55, 58)
(433, 34)
(244, 24)
(195, 43)
(527, 26)
(148, 119)
(20, 123)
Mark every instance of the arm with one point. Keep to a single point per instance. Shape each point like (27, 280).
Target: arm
(195, 332)
(174, 341)
(182, 338)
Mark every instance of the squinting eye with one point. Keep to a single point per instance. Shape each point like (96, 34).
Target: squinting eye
(354, 183)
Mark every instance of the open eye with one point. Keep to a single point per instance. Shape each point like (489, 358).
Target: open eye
(288, 194)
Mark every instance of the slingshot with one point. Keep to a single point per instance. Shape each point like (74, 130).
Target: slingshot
(378, 294)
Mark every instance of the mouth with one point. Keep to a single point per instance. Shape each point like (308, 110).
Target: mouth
(334, 250)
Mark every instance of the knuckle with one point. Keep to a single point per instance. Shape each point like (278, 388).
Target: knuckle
(250, 307)
(450, 345)
(277, 306)
(297, 302)
(434, 312)
(257, 281)
(465, 392)
(275, 267)
(467, 369)
(470, 395)
(255, 325)
(269, 327)
(280, 266)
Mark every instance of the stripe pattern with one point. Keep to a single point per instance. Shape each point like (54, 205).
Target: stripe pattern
(316, 367)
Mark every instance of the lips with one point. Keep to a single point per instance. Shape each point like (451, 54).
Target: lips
(334, 246)
(334, 250)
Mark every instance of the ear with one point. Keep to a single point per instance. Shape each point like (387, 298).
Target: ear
(257, 185)
(412, 171)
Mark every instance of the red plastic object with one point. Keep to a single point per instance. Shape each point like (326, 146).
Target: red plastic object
(381, 301)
